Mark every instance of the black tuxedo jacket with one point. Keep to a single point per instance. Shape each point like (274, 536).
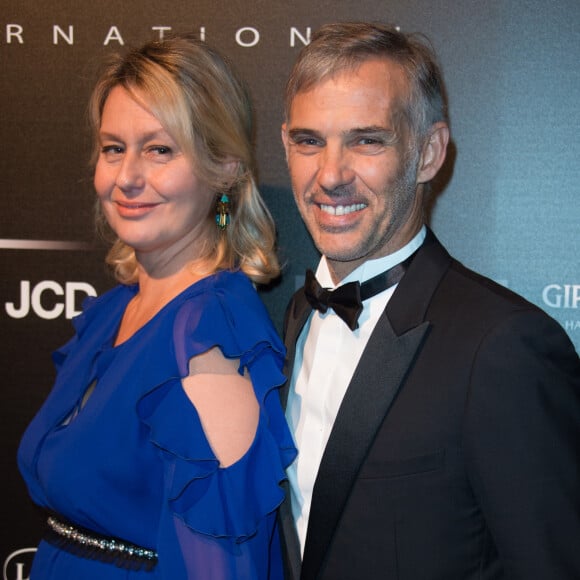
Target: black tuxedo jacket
(455, 454)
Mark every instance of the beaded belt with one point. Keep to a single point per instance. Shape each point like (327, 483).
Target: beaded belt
(89, 544)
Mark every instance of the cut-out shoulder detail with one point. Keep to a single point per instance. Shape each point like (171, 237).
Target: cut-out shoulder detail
(213, 362)
(225, 402)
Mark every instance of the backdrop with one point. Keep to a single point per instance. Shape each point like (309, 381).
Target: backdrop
(508, 198)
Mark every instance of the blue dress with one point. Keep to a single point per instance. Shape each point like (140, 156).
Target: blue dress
(134, 462)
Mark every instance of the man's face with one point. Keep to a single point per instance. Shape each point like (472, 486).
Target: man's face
(352, 165)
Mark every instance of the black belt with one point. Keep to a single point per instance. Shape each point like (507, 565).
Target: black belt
(88, 544)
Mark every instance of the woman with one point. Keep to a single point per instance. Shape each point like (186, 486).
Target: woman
(160, 450)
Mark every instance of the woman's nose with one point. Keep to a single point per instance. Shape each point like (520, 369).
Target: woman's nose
(130, 175)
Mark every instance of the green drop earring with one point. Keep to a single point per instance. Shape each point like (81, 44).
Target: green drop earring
(222, 216)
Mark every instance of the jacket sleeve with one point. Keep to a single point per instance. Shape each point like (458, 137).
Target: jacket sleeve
(522, 445)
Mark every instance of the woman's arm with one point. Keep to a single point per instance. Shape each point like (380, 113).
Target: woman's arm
(225, 402)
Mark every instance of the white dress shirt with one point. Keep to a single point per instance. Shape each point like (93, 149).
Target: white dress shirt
(327, 353)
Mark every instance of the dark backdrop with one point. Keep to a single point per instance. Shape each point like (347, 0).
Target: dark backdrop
(507, 203)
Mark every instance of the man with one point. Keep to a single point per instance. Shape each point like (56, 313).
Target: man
(438, 432)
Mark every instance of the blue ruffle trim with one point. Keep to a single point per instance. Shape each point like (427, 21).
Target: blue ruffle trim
(222, 502)
(232, 317)
(90, 310)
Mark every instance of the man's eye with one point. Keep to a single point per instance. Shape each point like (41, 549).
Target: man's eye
(306, 141)
(369, 145)
(369, 140)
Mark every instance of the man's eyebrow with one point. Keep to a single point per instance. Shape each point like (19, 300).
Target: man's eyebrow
(385, 133)
(301, 131)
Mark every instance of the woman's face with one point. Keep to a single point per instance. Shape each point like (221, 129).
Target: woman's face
(147, 187)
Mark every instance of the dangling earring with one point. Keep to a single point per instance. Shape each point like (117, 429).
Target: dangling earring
(222, 216)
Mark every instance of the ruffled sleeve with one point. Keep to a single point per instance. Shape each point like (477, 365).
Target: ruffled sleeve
(113, 301)
(228, 503)
(79, 323)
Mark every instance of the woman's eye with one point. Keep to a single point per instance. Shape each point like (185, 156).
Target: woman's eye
(113, 149)
(160, 150)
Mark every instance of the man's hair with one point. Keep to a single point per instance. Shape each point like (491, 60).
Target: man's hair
(200, 102)
(335, 48)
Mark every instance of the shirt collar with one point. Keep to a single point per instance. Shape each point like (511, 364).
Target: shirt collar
(371, 268)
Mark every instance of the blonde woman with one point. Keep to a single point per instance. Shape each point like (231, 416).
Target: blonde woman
(161, 448)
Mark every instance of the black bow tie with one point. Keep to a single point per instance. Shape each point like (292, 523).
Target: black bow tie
(346, 300)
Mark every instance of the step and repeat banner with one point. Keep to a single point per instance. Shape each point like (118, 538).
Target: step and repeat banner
(507, 203)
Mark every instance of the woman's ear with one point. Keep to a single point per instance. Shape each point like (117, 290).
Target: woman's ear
(433, 152)
(231, 166)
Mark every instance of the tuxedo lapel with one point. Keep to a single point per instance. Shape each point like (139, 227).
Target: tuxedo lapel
(376, 381)
(289, 541)
(295, 319)
(297, 314)
(386, 361)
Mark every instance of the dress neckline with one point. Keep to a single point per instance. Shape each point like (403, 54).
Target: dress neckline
(133, 289)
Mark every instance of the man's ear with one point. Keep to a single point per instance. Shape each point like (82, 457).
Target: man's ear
(433, 152)
(284, 133)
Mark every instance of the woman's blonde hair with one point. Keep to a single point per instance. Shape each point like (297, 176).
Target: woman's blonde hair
(200, 102)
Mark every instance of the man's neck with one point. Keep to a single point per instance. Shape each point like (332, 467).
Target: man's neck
(340, 270)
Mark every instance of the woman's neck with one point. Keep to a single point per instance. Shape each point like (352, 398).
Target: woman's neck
(153, 294)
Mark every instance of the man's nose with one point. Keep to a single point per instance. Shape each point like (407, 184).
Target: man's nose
(335, 167)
